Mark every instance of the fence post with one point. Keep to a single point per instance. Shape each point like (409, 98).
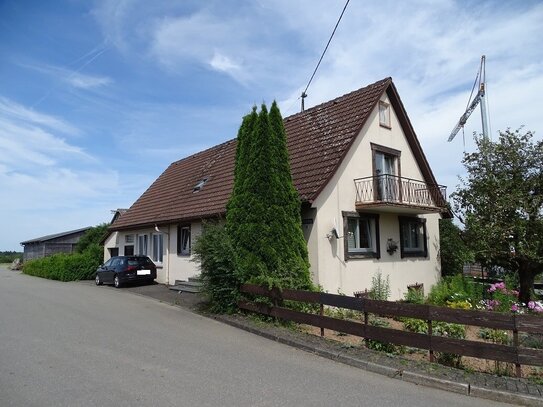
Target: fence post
(366, 341)
(430, 351)
(322, 314)
(516, 345)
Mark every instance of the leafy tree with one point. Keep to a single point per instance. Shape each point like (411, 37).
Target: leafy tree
(263, 214)
(501, 205)
(93, 236)
(453, 250)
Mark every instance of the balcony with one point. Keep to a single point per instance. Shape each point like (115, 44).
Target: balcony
(390, 193)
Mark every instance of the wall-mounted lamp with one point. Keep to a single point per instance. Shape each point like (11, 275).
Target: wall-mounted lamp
(392, 246)
(160, 231)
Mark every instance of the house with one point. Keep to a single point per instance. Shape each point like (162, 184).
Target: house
(63, 242)
(370, 202)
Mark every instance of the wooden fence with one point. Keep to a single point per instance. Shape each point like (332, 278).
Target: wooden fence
(504, 353)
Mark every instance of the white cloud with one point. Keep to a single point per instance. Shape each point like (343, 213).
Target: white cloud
(223, 63)
(20, 113)
(86, 81)
(73, 77)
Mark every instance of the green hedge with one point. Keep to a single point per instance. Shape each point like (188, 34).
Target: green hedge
(67, 267)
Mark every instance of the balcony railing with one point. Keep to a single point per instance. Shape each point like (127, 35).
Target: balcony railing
(391, 189)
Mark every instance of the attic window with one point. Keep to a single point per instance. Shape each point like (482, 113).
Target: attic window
(384, 114)
(200, 184)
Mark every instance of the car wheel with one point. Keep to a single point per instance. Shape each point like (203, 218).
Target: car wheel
(97, 280)
(117, 282)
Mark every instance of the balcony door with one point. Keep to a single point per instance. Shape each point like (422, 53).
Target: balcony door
(386, 176)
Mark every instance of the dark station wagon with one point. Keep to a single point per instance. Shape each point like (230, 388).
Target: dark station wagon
(120, 270)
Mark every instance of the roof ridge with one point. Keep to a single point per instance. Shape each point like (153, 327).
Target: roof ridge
(332, 101)
(199, 153)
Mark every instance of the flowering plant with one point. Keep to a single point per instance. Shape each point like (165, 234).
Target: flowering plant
(506, 300)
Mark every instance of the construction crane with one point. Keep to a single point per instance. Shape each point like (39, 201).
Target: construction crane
(479, 99)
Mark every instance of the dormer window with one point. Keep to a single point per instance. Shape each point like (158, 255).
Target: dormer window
(200, 184)
(384, 114)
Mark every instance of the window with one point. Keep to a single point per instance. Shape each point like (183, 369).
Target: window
(384, 114)
(158, 248)
(129, 239)
(361, 233)
(387, 173)
(200, 184)
(142, 245)
(183, 240)
(129, 250)
(413, 237)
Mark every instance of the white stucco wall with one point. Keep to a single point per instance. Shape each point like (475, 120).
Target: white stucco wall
(173, 266)
(332, 271)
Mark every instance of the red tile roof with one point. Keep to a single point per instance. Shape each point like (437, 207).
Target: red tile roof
(317, 139)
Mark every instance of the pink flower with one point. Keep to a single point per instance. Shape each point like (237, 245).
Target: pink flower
(514, 308)
(531, 305)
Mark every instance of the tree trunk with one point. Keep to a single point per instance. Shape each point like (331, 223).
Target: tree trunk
(527, 273)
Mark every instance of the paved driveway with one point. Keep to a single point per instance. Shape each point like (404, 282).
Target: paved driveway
(74, 344)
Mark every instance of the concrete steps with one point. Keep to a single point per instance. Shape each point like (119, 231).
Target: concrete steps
(193, 285)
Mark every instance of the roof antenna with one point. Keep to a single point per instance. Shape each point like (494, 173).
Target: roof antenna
(304, 95)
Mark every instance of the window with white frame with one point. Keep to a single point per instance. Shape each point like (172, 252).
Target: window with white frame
(361, 235)
(157, 253)
(183, 240)
(413, 237)
(384, 114)
(142, 245)
(129, 238)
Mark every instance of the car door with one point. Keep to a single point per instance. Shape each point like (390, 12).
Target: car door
(113, 268)
(103, 271)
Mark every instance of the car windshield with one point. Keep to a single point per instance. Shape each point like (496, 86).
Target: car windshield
(139, 261)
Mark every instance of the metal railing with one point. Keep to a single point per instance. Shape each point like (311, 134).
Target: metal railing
(398, 190)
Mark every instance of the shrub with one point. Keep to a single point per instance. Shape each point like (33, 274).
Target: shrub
(495, 335)
(454, 289)
(67, 267)
(456, 331)
(380, 287)
(415, 325)
(378, 345)
(213, 250)
(414, 296)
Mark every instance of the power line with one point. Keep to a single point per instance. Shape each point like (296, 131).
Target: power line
(304, 94)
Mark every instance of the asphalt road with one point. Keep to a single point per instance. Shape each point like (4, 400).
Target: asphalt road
(74, 344)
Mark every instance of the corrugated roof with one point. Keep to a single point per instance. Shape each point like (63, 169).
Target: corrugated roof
(317, 139)
(54, 236)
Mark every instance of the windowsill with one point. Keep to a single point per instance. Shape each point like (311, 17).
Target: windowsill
(183, 255)
(421, 253)
(385, 126)
(362, 255)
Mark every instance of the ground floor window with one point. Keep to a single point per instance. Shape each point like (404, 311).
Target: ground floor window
(129, 250)
(158, 248)
(142, 245)
(413, 237)
(113, 251)
(361, 233)
(183, 240)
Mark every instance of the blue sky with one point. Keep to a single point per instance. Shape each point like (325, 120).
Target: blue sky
(97, 98)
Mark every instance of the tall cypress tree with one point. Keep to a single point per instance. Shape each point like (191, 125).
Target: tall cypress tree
(263, 214)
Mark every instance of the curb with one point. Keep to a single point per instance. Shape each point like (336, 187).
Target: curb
(411, 377)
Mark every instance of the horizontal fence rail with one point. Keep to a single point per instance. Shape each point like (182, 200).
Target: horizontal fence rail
(429, 313)
(389, 188)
